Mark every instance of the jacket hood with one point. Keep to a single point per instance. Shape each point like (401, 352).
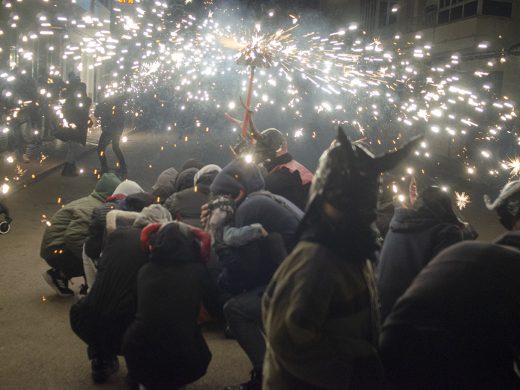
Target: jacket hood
(106, 185)
(509, 189)
(127, 187)
(185, 179)
(236, 176)
(212, 169)
(191, 163)
(137, 202)
(152, 214)
(165, 184)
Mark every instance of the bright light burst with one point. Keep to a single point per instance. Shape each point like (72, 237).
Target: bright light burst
(514, 165)
(462, 200)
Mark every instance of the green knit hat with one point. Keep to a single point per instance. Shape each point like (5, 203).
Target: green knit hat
(107, 184)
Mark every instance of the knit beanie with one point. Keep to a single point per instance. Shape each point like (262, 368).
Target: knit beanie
(137, 202)
(152, 214)
(191, 163)
(128, 187)
(185, 179)
(236, 176)
(106, 185)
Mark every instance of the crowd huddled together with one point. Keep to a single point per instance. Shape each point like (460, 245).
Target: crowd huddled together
(293, 266)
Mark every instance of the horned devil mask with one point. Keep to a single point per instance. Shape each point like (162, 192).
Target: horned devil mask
(348, 177)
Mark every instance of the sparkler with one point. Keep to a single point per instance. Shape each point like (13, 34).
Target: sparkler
(462, 199)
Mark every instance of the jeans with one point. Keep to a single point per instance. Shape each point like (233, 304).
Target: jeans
(244, 315)
(105, 139)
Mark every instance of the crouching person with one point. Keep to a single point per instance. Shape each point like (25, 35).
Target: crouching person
(164, 347)
(102, 317)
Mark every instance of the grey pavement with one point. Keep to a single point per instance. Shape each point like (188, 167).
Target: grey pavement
(37, 348)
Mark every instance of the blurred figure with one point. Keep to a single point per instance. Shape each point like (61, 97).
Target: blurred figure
(5, 221)
(416, 236)
(102, 317)
(110, 113)
(285, 176)
(76, 112)
(456, 326)
(62, 242)
(185, 205)
(320, 311)
(164, 347)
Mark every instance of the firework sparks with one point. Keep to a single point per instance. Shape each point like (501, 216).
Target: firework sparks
(514, 166)
(462, 200)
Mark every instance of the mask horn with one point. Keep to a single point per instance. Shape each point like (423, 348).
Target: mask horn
(346, 144)
(390, 160)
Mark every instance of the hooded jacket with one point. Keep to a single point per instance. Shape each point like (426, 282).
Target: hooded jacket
(164, 346)
(456, 326)
(69, 225)
(185, 205)
(414, 238)
(101, 318)
(288, 178)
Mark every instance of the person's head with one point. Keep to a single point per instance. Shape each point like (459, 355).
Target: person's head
(165, 184)
(137, 202)
(238, 179)
(175, 243)
(72, 77)
(191, 163)
(127, 187)
(507, 205)
(185, 179)
(107, 184)
(438, 204)
(152, 214)
(271, 144)
(345, 186)
(209, 171)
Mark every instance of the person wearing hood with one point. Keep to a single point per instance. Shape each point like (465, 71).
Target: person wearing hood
(243, 183)
(128, 196)
(285, 176)
(62, 242)
(416, 236)
(185, 204)
(456, 326)
(320, 310)
(165, 185)
(164, 347)
(101, 318)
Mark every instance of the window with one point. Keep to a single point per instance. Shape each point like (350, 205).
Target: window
(453, 10)
(497, 8)
(386, 15)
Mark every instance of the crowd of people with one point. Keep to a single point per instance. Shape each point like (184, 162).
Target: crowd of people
(292, 266)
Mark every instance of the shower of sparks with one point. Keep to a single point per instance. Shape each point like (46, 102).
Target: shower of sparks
(462, 200)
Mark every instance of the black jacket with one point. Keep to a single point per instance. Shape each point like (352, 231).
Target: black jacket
(413, 239)
(101, 318)
(456, 327)
(283, 182)
(164, 347)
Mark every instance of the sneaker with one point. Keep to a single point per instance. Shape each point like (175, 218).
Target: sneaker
(58, 283)
(103, 368)
(255, 383)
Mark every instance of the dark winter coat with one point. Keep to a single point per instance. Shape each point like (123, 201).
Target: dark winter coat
(456, 326)
(185, 205)
(110, 112)
(101, 318)
(164, 347)
(288, 178)
(414, 238)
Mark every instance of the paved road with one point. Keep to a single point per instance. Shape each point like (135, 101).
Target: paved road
(37, 348)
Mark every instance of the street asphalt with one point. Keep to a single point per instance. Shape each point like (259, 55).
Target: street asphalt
(38, 350)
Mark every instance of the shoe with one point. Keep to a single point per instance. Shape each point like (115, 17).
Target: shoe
(103, 368)
(58, 283)
(255, 383)
(69, 169)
